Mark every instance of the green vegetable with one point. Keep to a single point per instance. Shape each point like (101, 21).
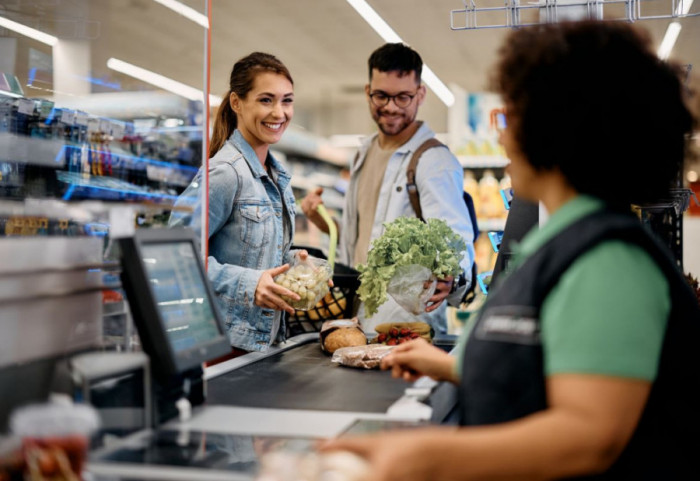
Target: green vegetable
(406, 241)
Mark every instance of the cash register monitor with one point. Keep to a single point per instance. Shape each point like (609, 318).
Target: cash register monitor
(172, 303)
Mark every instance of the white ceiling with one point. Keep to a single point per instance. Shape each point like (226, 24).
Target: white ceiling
(325, 43)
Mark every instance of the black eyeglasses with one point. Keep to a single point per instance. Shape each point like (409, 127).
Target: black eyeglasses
(402, 100)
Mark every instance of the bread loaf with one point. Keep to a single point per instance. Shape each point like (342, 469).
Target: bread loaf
(343, 337)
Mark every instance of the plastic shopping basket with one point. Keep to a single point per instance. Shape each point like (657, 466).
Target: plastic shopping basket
(339, 303)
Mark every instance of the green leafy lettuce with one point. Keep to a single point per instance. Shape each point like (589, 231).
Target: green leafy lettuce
(405, 241)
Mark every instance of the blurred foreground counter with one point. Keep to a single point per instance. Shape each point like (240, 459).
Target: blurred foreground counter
(285, 399)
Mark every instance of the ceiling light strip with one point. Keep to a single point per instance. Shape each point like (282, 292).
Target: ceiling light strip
(672, 32)
(28, 32)
(185, 11)
(389, 35)
(683, 7)
(159, 81)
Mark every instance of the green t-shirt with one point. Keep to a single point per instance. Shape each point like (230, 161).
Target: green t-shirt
(608, 312)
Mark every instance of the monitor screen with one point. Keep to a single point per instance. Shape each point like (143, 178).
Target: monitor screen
(171, 300)
(180, 294)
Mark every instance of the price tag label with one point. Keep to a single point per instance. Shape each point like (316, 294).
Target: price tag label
(93, 125)
(121, 221)
(81, 118)
(117, 130)
(68, 116)
(105, 126)
(45, 108)
(26, 107)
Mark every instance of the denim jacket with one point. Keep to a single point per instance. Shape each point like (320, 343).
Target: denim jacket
(246, 236)
(439, 178)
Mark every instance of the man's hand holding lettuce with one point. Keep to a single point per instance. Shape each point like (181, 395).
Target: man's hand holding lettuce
(408, 241)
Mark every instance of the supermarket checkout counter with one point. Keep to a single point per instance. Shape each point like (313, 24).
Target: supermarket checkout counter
(286, 398)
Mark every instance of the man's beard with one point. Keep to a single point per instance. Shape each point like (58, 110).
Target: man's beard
(396, 128)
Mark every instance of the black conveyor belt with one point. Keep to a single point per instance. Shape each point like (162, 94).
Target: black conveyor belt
(304, 378)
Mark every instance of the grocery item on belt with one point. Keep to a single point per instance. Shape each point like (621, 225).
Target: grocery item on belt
(367, 357)
(393, 333)
(335, 466)
(341, 333)
(309, 279)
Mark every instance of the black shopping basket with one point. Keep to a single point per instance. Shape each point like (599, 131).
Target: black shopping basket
(339, 303)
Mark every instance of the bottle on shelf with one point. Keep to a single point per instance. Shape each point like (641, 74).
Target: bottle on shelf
(489, 195)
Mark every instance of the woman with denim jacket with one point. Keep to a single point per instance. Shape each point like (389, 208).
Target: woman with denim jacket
(251, 205)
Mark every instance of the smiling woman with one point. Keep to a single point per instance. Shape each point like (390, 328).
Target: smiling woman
(251, 205)
(265, 112)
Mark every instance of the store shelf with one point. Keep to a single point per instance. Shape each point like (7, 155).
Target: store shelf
(482, 161)
(109, 188)
(115, 160)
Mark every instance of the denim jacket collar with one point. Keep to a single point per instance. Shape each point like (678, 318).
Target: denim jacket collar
(252, 159)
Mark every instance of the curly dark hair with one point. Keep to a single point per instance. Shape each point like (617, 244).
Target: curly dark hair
(592, 99)
(395, 57)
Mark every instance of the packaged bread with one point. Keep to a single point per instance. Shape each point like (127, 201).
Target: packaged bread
(341, 333)
(367, 357)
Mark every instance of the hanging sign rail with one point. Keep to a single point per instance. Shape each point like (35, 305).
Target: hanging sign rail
(514, 13)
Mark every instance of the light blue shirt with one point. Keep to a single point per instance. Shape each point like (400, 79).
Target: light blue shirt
(440, 182)
(247, 235)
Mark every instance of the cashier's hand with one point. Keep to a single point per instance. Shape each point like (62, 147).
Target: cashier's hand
(395, 456)
(417, 358)
(442, 290)
(267, 292)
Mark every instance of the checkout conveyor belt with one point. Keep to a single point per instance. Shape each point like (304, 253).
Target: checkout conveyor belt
(303, 377)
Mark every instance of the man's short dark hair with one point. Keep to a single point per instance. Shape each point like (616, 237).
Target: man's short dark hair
(396, 57)
(593, 100)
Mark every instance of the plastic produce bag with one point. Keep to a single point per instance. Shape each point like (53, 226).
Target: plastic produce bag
(407, 287)
(309, 279)
(367, 357)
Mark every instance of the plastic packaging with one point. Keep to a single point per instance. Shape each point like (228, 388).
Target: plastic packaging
(407, 287)
(309, 279)
(55, 438)
(393, 333)
(367, 357)
(333, 466)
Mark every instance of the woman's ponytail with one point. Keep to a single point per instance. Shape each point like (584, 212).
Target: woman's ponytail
(224, 125)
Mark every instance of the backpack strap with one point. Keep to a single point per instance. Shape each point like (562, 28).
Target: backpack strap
(411, 187)
(357, 157)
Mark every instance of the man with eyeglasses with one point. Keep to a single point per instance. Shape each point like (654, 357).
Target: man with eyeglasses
(378, 191)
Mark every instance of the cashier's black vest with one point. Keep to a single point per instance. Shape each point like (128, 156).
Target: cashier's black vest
(503, 376)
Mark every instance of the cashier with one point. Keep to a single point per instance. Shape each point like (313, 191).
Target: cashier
(582, 359)
(251, 205)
